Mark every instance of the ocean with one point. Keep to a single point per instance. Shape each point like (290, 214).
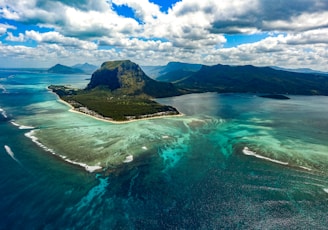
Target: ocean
(232, 161)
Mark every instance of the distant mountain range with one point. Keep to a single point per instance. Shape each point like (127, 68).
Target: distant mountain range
(78, 68)
(301, 70)
(86, 67)
(245, 79)
(179, 78)
(251, 79)
(171, 71)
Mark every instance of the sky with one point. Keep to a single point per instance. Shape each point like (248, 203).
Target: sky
(285, 33)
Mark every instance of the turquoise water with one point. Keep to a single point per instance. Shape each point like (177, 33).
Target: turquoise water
(232, 161)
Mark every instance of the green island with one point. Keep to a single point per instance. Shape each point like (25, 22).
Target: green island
(119, 91)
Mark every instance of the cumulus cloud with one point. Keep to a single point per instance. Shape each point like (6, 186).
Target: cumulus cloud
(144, 10)
(12, 38)
(191, 30)
(57, 38)
(5, 27)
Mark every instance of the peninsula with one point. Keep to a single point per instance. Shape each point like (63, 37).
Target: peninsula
(119, 91)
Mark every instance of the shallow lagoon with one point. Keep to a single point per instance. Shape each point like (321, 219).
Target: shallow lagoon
(187, 172)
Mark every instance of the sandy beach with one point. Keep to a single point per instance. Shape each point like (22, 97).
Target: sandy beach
(105, 119)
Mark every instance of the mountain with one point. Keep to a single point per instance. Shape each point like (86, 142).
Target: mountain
(86, 67)
(171, 71)
(128, 78)
(251, 79)
(120, 91)
(301, 70)
(62, 69)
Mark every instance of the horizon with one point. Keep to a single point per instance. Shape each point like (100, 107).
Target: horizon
(285, 34)
(98, 66)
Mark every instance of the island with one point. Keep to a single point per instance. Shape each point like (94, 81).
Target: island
(62, 69)
(119, 91)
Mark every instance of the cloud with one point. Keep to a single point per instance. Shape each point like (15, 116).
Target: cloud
(144, 10)
(190, 31)
(317, 36)
(87, 18)
(5, 27)
(12, 38)
(56, 38)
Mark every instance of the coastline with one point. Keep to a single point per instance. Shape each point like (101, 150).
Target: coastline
(97, 116)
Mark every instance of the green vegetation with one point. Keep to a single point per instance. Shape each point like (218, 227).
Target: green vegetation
(114, 105)
(251, 79)
(128, 78)
(120, 90)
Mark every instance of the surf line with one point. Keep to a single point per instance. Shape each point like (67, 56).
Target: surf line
(21, 126)
(248, 152)
(38, 143)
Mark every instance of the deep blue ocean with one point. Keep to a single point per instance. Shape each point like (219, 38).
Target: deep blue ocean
(232, 161)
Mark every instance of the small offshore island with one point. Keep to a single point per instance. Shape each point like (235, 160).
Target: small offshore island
(119, 91)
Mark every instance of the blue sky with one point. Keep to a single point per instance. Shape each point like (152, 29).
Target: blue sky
(38, 33)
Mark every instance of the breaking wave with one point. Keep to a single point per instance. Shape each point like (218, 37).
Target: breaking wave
(89, 168)
(248, 152)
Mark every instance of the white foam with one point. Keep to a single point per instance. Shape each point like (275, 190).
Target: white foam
(4, 114)
(128, 159)
(306, 168)
(326, 190)
(36, 141)
(87, 167)
(248, 152)
(4, 90)
(165, 136)
(22, 126)
(144, 148)
(10, 152)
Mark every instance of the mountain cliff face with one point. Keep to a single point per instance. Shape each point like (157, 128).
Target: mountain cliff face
(128, 78)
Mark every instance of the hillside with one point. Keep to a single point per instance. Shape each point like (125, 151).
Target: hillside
(126, 77)
(171, 71)
(251, 79)
(86, 67)
(62, 69)
(119, 91)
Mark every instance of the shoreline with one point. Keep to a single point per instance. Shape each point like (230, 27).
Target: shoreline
(101, 118)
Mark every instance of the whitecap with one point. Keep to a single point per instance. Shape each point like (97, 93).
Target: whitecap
(36, 141)
(3, 113)
(326, 190)
(306, 168)
(21, 126)
(10, 152)
(87, 167)
(12, 155)
(128, 159)
(248, 152)
(144, 148)
(4, 90)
